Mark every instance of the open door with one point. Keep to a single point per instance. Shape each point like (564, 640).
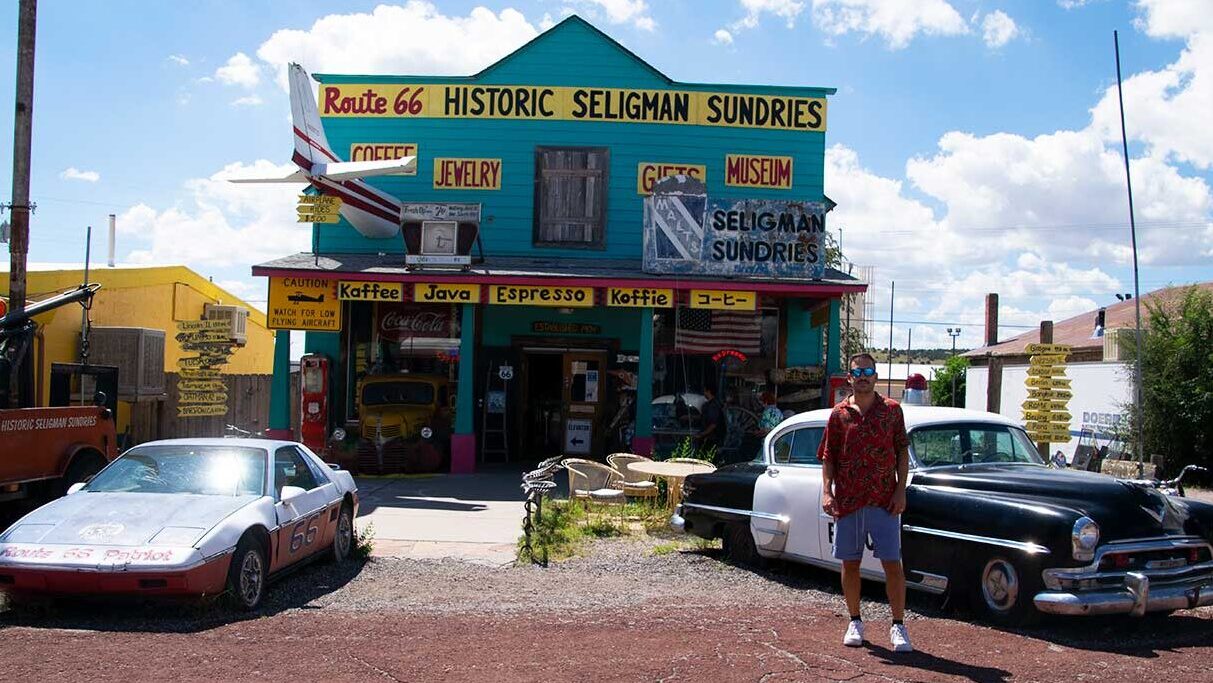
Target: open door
(583, 387)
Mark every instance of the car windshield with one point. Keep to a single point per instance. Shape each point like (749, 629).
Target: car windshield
(963, 444)
(398, 393)
(207, 470)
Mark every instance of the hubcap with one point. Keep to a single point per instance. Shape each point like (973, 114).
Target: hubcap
(250, 577)
(345, 533)
(1000, 585)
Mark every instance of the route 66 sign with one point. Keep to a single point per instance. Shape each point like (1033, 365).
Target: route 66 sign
(505, 372)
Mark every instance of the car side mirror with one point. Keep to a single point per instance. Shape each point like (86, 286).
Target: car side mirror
(75, 487)
(290, 494)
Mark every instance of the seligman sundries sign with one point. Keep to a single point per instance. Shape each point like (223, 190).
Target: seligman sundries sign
(688, 232)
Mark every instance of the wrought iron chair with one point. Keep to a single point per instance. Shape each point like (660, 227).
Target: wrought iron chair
(589, 480)
(634, 484)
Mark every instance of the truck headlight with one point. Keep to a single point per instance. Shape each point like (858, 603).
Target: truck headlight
(1084, 538)
(426, 432)
(339, 434)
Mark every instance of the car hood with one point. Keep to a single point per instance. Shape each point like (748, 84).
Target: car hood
(123, 519)
(1122, 508)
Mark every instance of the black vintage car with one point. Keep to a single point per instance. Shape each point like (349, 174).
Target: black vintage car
(985, 519)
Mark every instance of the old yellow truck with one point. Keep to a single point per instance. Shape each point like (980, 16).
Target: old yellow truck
(404, 423)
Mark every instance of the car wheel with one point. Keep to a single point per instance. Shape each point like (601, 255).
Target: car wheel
(343, 540)
(738, 544)
(1005, 589)
(246, 578)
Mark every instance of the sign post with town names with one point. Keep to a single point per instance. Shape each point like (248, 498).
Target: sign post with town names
(201, 391)
(1045, 413)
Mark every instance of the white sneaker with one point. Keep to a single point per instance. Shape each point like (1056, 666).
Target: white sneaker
(854, 636)
(900, 638)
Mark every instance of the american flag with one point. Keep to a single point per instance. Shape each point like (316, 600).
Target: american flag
(708, 331)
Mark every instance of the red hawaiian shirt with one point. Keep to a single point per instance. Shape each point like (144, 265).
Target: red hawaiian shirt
(863, 448)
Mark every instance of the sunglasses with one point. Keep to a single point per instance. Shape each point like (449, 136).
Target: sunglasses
(863, 372)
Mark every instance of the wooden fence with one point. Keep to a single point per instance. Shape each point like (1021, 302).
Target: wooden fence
(248, 402)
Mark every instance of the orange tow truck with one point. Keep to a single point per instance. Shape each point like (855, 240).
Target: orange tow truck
(43, 451)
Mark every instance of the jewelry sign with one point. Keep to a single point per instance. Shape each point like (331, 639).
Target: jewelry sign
(687, 232)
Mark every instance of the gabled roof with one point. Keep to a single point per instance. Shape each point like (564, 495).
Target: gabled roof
(565, 24)
(1076, 331)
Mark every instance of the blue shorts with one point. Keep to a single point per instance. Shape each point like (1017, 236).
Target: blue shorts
(868, 525)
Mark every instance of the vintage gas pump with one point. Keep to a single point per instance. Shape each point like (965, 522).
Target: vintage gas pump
(314, 400)
(839, 390)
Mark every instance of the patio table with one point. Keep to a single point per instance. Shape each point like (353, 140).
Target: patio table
(673, 473)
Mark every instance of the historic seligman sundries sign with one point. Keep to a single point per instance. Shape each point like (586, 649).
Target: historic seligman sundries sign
(685, 231)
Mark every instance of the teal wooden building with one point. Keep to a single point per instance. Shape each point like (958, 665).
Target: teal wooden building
(523, 258)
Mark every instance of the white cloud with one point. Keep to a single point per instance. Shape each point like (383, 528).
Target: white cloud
(998, 29)
(179, 60)
(72, 173)
(634, 12)
(239, 70)
(722, 37)
(1175, 18)
(1073, 4)
(897, 21)
(412, 39)
(247, 101)
(788, 10)
(223, 224)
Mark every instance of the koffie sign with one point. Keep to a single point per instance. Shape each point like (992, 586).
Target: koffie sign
(690, 233)
(621, 105)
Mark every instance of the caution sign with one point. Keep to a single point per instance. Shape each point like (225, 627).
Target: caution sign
(302, 303)
(1046, 414)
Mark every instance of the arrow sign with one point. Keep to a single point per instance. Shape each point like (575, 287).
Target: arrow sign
(200, 362)
(1044, 416)
(201, 385)
(1050, 437)
(199, 373)
(1049, 394)
(204, 337)
(1049, 382)
(320, 199)
(1051, 349)
(319, 218)
(1047, 360)
(203, 410)
(199, 325)
(1044, 405)
(202, 397)
(1046, 370)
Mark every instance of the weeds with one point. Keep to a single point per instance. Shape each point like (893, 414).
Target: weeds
(364, 541)
(664, 549)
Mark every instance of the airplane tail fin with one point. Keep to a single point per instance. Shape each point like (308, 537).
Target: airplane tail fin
(311, 146)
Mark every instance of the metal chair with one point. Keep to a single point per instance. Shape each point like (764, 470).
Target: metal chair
(634, 484)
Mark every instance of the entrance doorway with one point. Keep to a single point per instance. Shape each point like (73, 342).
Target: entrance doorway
(562, 405)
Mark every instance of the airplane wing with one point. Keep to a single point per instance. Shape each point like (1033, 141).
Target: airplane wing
(351, 170)
(296, 176)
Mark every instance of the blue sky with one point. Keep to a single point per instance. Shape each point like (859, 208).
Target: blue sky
(973, 143)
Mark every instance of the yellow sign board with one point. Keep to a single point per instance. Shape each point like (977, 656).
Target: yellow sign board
(1048, 349)
(577, 103)
(370, 291)
(436, 293)
(302, 303)
(467, 174)
(205, 337)
(1046, 416)
(199, 373)
(1049, 382)
(1055, 359)
(202, 410)
(313, 217)
(528, 295)
(194, 362)
(383, 151)
(321, 202)
(201, 385)
(745, 170)
(724, 300)
(1043, 405)
(1046, 370)
(649, 172)
(202, 397)
(639, 297)
(1049, 394)
(1051, 437)
(204, 325)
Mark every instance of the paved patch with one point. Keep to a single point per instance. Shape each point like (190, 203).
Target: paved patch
(476, 518)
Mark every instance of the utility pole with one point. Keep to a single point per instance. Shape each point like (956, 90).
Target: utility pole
(23, 128)
(953, 332)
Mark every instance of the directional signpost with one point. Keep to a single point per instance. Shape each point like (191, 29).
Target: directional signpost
(201, 391)
(318, 208)
(1045, 412)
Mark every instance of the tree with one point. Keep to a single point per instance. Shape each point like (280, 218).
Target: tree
(1177, 380)
(952, 375)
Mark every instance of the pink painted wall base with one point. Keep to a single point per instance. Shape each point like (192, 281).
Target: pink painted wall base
(463, 454)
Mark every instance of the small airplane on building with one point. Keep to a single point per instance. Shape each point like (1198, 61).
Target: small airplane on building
(372, 212)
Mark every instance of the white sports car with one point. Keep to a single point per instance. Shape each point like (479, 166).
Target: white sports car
(185, 517)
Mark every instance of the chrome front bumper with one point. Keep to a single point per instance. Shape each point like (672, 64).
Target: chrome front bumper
(1135, 598)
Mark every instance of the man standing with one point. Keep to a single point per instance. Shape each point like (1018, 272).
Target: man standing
(715, 424)
(865, 463)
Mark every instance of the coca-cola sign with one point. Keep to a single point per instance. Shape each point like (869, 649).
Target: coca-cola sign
(397, 323)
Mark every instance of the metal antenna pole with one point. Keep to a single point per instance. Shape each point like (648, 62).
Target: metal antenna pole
(88, 253)
(889, 380)
(1137, 393)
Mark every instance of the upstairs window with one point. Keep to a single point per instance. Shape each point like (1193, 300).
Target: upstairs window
(570, 196)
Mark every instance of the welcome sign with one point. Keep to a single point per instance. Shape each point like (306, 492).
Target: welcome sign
(685, 231)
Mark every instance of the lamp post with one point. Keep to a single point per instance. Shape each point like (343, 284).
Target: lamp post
(953, 332)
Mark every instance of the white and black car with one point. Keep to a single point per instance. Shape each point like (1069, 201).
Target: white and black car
(985, 518)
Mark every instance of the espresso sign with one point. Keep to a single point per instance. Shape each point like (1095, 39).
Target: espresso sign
(526, 295)
(401, 322)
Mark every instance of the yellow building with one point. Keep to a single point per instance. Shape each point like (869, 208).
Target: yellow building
(152, 297)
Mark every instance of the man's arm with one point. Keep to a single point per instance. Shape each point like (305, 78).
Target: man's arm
(827, 453)
(897, 504)
(827, 487)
